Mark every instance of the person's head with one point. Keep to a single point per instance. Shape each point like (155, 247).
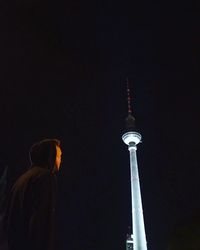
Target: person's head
(47, 154)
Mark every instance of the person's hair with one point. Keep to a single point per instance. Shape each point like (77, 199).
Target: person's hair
(43, 153)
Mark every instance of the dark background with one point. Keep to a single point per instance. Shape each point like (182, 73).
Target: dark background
(63, 70)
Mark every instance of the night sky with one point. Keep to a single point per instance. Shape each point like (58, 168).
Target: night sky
(63, 75)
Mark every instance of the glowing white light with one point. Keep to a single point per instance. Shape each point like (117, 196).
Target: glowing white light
(131, 137)
(139, 238)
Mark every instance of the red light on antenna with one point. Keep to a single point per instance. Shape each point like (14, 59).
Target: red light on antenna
(129, 98)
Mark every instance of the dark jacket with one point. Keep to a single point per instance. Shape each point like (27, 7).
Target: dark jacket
(29, 217)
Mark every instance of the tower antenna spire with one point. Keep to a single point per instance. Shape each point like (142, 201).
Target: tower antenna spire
(128, 96)
(130, 120)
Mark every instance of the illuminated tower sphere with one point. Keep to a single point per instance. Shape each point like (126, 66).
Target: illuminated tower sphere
(132, 138)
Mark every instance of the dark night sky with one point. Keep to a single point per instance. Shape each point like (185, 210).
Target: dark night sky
(63, 71)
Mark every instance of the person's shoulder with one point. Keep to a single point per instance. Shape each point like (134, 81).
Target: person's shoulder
(41, 173)
(34, 175)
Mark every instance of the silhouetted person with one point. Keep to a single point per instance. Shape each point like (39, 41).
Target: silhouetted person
(29, 217)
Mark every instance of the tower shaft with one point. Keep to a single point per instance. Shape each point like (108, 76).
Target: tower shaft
(132, 138)
(139, 236)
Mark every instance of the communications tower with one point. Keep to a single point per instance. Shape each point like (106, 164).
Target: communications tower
(137, 240)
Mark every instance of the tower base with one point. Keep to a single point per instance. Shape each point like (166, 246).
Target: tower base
(129, 242)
